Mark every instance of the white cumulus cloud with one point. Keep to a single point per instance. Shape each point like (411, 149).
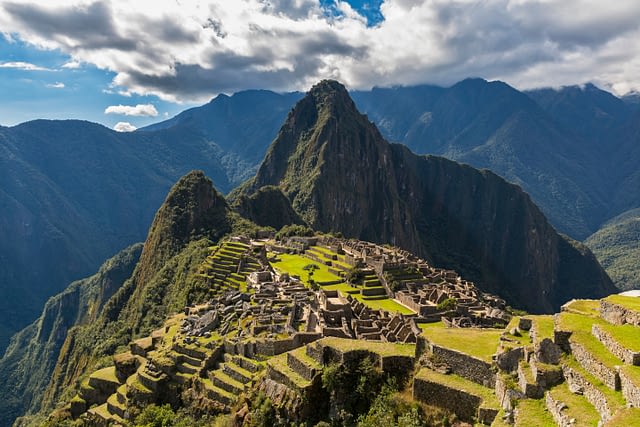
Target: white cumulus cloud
(129, 110)
(124, 127)
(191, 50)
(56, 85)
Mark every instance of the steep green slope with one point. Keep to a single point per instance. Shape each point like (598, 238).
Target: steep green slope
(334, 166)
(193, 216)
(30, 358)
(617, 247)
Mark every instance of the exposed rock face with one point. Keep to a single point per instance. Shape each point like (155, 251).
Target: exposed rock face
(341, 175)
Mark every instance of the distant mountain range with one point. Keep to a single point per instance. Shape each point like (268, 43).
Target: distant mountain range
(74, 193)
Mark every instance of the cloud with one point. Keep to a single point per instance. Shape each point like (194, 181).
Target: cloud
(71, 65)
(190, 51)
(124, 127)
(129, 110)
(56, 85)
(24, 66)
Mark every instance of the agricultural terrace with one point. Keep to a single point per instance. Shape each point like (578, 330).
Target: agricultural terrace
(477, 342)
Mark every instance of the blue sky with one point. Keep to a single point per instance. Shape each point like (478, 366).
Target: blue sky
(84, 58)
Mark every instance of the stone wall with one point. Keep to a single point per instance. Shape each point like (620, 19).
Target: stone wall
(508, 360)
(630, 390)
(623, 353)
(505, 393)
(590, 363)
(466, 366)
(618, 315)
(579, 384)
(463, 404)
(305, 371)
(555, 407)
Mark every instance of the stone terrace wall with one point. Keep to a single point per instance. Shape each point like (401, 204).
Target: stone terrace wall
(608, 376)
(623, 353)
(466, 366)
(618, 315)
(577, 383)
(463, 404)
(555, 408)
(630, 390)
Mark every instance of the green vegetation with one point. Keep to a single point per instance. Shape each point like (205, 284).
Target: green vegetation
(295, 266)
(617, 247)
(294, 230)
(352, 387)
(447, 304)
(383, 303)
(632, 303)
(580, 325)
(381, 348)
(544, 327)
(626, 335)
(577, 406)
(477, 342)
(533, 413)
(487, 395)
(614, 399)
(629, 417)
(164, 416)
(589, 307)
(394, 409)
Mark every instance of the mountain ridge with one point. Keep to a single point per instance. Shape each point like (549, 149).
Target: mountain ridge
(334, 165)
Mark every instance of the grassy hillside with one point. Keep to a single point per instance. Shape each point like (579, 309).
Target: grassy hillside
(617, 247)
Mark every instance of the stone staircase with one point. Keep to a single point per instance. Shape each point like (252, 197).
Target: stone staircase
(233, 376)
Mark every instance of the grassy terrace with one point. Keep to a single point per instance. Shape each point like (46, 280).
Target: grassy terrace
(581, 327)
(383, 303)
(614, 398)
(522, 340)
(626, 335)
(106, 374)
(544, 326)
(294, 265)
(631, 303)
(629, 417)
(633, 372)
(533, 413)
(480, 343)
(279, 363)
(487, 395)
(381, 348)
(589, 307)
(577, 406)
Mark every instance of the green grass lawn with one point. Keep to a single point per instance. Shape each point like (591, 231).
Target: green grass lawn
(590, 307)
(626, 335)
(533, 413)
(381, 348)
(629, 417)
(106, 374)
(294, 265)
(632, 303)
(487, 395)
(614, 398)
(580, 325)
(477, 342)
(377, 303)
(544, 326)
(578, 406)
